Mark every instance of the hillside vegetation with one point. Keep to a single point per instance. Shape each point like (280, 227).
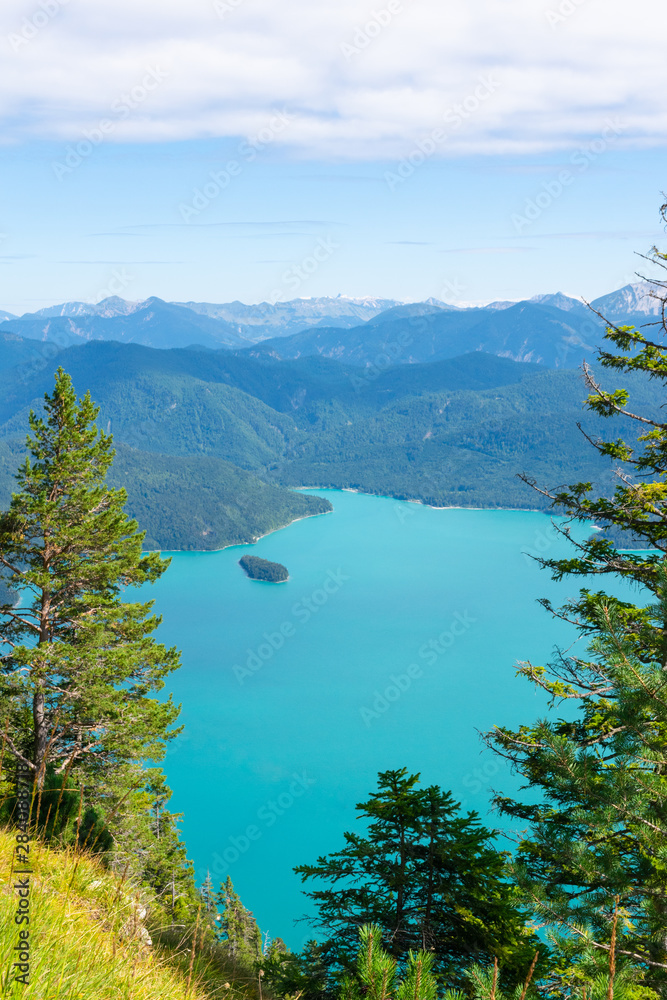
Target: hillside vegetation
(204, 503)
(525, 331)
(89, 938)
(209, 442)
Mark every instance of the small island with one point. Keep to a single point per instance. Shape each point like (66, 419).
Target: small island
(262, 569)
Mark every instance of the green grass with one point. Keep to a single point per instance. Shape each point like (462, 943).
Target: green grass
(86, 938)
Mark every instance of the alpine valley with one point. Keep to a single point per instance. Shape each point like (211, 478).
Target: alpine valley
(219, 411)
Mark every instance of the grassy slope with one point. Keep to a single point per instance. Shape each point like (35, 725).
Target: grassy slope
(86, 942)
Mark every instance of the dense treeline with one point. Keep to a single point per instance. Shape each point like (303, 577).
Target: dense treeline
(200, 434)
(210, 503)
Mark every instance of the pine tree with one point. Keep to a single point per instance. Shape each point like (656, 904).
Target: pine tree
(238, 928)
(207, 893)
(634, 544)
(600, 828)
(376, 973)
(79, 664)
(148, 841)
(427, 876)
(599, 777)
(303, 974)
(376, 970)
(377, 977)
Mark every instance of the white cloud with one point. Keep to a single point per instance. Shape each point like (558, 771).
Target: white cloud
(362, 81)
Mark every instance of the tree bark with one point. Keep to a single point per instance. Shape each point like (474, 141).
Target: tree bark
(41, 735)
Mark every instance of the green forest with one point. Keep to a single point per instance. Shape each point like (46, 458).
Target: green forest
(210, 444)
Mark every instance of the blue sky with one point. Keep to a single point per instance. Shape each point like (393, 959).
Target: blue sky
(492, 149)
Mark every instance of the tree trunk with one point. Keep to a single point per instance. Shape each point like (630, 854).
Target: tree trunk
(426, 920)
(39, 699)
(400, 895)
(41, 736)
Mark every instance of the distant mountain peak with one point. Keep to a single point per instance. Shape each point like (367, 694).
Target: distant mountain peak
(111, 306)
(640, 298)
(264, 320)
(500, 304)
(559, 301)
(439, 304)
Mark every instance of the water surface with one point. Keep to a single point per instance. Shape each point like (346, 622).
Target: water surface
(394, 641)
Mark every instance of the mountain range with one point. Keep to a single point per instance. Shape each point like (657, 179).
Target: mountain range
(156, 323)
(420, 401)
(553, 330)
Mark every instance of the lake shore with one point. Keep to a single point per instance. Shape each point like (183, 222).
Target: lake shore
(350, 489)
(422, 503)
(253, 541)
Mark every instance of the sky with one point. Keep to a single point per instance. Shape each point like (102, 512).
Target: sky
(212, 150)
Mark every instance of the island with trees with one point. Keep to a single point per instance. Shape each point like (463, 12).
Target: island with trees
(264, 570)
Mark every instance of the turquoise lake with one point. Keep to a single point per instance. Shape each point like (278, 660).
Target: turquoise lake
(393, 643)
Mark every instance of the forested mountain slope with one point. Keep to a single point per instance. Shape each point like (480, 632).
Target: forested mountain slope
(525, 331)
(208, 440)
